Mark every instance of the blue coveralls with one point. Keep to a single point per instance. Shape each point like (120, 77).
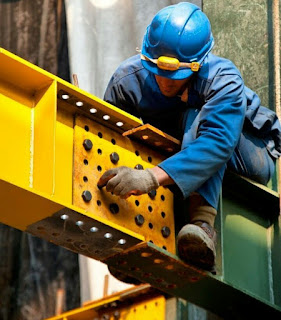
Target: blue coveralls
(209, 124)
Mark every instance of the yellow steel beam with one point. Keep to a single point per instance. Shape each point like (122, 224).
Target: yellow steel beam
(44, 121)
(133, 304)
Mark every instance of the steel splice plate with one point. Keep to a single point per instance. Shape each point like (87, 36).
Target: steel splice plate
(97, 149)
(169, 274)
(82, 234)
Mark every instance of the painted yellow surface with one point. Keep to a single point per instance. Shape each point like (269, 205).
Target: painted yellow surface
(37, 144)
(153, 308)
(157, 212)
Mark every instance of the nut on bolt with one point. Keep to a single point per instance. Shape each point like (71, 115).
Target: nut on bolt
(114, 157)
(139, 219)
(152, 194)
(139, 167)
(87, 196)
(165, 232)
(87, 144)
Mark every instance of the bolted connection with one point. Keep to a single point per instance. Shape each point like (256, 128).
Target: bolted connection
(139, 167)
(165, 232)
(87, 144)
(87, 196)
(152, 194)
(114, 157)
(139, 219)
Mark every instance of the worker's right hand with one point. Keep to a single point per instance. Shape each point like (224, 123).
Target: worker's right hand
(124, 181)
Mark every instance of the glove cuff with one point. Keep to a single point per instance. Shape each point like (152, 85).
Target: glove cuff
(154, 181)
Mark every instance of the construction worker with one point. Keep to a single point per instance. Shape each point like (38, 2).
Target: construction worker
(179, 86)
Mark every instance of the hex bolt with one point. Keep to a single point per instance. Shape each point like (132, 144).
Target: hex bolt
(165, 232)
(139, 219)
(152, 194)
(87, 144)
(139, 167)
(87, 196)
(113, 207)
(114, 157)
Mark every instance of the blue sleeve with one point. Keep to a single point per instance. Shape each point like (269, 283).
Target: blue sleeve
(220, 125)
(116, 94)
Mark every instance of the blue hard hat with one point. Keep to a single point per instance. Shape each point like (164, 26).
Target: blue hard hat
(180, 31)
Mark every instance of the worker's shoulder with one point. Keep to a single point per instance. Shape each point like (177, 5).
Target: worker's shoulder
(217, 66)
(129, 68)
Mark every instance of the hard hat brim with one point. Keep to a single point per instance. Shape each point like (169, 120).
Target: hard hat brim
(179, 74)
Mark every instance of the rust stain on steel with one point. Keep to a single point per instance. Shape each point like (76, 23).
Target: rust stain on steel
(90, 165)
(154, 138)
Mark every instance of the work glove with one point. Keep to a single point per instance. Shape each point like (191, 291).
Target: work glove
(124, 181)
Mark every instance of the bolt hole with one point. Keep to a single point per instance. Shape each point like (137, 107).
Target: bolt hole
(99, 168)
(137, 203)
(98, 202)
(149, 159)
(55, 234)
(150, 226)
(151, 240)
(69, 240)
(100, 134)
(85, 179)
(86, 162)
(87, 128)
(113, 141)
(40, 228)
(150, 208)
(162, 197)
(164, 247)
(99, 151)
(114, 208)
(163, 214)
(137, 153)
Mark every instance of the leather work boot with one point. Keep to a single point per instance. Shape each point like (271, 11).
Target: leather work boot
(197, 245)
(122, 276)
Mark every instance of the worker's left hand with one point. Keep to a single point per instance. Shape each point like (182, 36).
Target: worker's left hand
(124, 181)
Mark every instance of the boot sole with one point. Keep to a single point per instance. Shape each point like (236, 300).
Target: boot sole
(195, 247)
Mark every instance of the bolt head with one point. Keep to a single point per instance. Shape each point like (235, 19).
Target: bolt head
(139, 219)
(87, 144)
(87, 196)
(152, 194)
(165, 232)
(114, 157)
(139, 167)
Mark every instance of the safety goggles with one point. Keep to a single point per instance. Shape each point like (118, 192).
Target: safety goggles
(171, 64)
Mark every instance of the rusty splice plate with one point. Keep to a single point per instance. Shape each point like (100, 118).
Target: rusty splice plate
(81, 234)
(169, 274)
(97, 149)
(155, 138)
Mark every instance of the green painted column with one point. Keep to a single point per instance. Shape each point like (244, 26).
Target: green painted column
(243, 32)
